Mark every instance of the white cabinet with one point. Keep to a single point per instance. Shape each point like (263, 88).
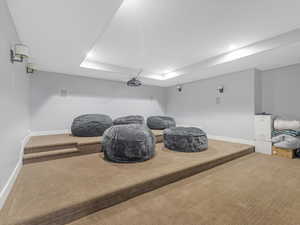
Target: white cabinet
(263, 127)
(264, 147)
(263, 133)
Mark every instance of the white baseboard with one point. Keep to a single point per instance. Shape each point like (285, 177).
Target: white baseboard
(8, 187)
(9, 184)
(49, 132)
(233, 140)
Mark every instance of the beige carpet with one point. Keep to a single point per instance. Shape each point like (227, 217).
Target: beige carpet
(253, 190)
(58, 191)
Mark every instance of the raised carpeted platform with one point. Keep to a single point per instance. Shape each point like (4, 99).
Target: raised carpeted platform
(63, 190)
(49, 147)
(253, 190)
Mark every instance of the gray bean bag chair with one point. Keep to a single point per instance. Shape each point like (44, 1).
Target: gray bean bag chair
(160, 122)
(90, 125)
(134, 119)
(185, 139)
(128, 143)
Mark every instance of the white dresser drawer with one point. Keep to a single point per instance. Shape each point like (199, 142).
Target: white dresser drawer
(263, 127)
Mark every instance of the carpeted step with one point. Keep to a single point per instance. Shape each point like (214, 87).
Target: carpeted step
(47, 148)
(50, 147)
(61, 191)
(46, 143)
(59, 152)
(55, 154)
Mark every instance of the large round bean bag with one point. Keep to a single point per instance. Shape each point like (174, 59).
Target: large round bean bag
(90, 125)
(128, 143)
(134, 119)
(185, 139)
(160, 122)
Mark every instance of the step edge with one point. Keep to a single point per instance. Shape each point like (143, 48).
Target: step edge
(50, 153)
(49, 145)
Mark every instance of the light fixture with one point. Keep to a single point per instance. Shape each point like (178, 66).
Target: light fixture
(220, 90)
(30, 68)
(179, 88)
(19, 53)
(135, 82)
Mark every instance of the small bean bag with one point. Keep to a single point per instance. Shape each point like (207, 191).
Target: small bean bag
(160, 122)
(185, 139)
(134, 119)
(90, 125)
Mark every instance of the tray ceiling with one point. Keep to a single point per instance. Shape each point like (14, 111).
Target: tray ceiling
(173, 41)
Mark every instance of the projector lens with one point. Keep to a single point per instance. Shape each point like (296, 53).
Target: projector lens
(134, 82)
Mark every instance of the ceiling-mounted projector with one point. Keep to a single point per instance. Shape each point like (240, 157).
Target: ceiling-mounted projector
(134, 82)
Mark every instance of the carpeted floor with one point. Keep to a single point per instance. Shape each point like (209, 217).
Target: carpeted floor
(59, 191)
(253, 190)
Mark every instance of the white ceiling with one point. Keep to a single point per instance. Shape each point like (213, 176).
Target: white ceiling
(159, 36)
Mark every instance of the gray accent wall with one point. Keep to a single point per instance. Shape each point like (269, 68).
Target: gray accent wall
(14, 99)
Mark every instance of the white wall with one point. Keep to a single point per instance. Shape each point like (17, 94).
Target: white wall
(14, 101)
(233, 117)
(51, 111)
(281, 91)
